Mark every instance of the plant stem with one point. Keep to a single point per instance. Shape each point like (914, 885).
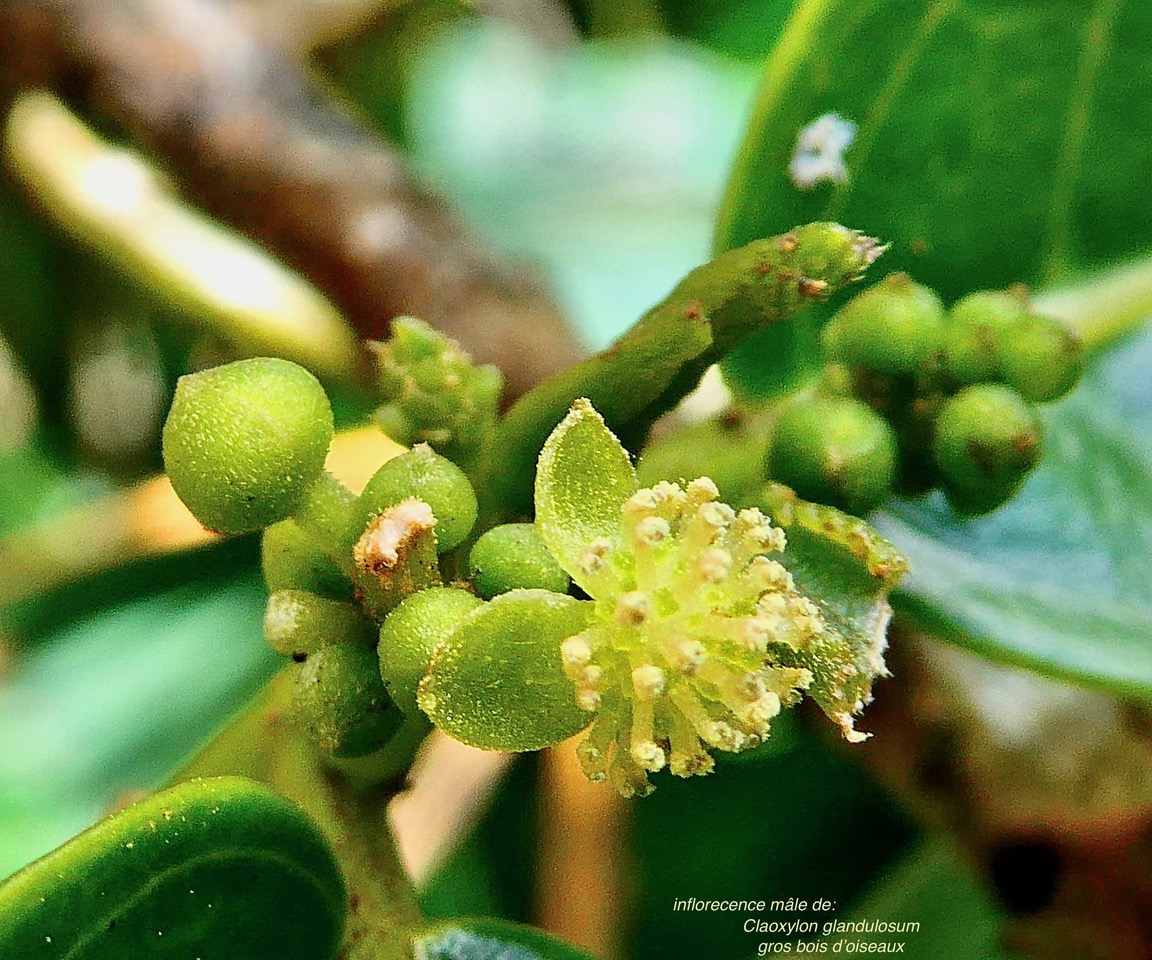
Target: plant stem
(1105, 308)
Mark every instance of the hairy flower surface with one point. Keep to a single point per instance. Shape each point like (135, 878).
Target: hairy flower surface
(679, 658)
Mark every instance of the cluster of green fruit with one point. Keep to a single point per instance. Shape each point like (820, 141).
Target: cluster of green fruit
(915, 396)
(358, 596)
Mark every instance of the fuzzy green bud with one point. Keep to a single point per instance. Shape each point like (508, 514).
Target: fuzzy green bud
(291, 561)
(1043, 360)
(297, 623)
(244, 441)
(426, 475)
(977, 329)
(339, 700)
(895, 327)
(836, 451)
(412, 632)
(987, 439)
(513, 556)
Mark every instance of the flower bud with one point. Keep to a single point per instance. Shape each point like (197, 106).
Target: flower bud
(291, 561)
(430, 477)
(513, 556)
(836, 451)
(987, 439)
(244, 441)
(895, 327)
(1043, 360)
(339, 700)
(297, 623)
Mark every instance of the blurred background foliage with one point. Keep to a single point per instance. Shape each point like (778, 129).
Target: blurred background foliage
(593, 140)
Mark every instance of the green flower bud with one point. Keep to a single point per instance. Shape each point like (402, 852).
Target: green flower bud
(339, 700)
(291, 561)
(513, 556)
(244, 441)
(1042, 360)
(978, 327)
(987, 439)
(412, 632)
(836, 451)
(430, 477)
(297, 623)
(895, 327)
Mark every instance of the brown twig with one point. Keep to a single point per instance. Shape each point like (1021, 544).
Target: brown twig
(257, 142)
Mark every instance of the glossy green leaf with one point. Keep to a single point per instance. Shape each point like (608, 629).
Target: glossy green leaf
(497, 681)
(1058, 579)
(205, 869)
(958, 106)
(486, 939)
(583, 477)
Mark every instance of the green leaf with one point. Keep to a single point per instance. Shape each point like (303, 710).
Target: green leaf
(486, 939)
(958, 106)
(583, 477)
(497, 681)
(204, 869)
(1058, 579)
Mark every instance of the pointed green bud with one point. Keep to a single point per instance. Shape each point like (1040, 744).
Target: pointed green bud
(835, 450)
(895, 327)
(243, 442)
(430, 477)
(410, 635)
(513, 556)
(987, 440)
(339, 700)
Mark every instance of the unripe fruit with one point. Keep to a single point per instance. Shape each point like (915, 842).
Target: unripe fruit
(513, 556)
(987, 439)
(835, 451)
(978, 328)
(339, 700)
(244, 441)
(292, 562)
(430, 477)
(1042, 360)
(412, 632)
(895, 327)
(297, 623)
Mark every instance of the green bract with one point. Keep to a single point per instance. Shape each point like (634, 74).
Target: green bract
(410, 635)
(698, 637)
(244, 441)
(513, 556)
(339, 700)
(987, 439)
(497, 681)
(835, 450)
(204, 869)
(430, 477)
(895, 327)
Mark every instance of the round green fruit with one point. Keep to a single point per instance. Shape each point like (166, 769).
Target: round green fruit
(410, 635)
(437, 481)
(244, 441)
(339, 700)
(896, 327)
(513, 556)
(836, 451)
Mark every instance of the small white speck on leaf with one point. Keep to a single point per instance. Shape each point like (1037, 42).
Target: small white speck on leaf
(819, 153)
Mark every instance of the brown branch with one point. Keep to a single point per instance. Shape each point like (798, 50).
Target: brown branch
(257, 142)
